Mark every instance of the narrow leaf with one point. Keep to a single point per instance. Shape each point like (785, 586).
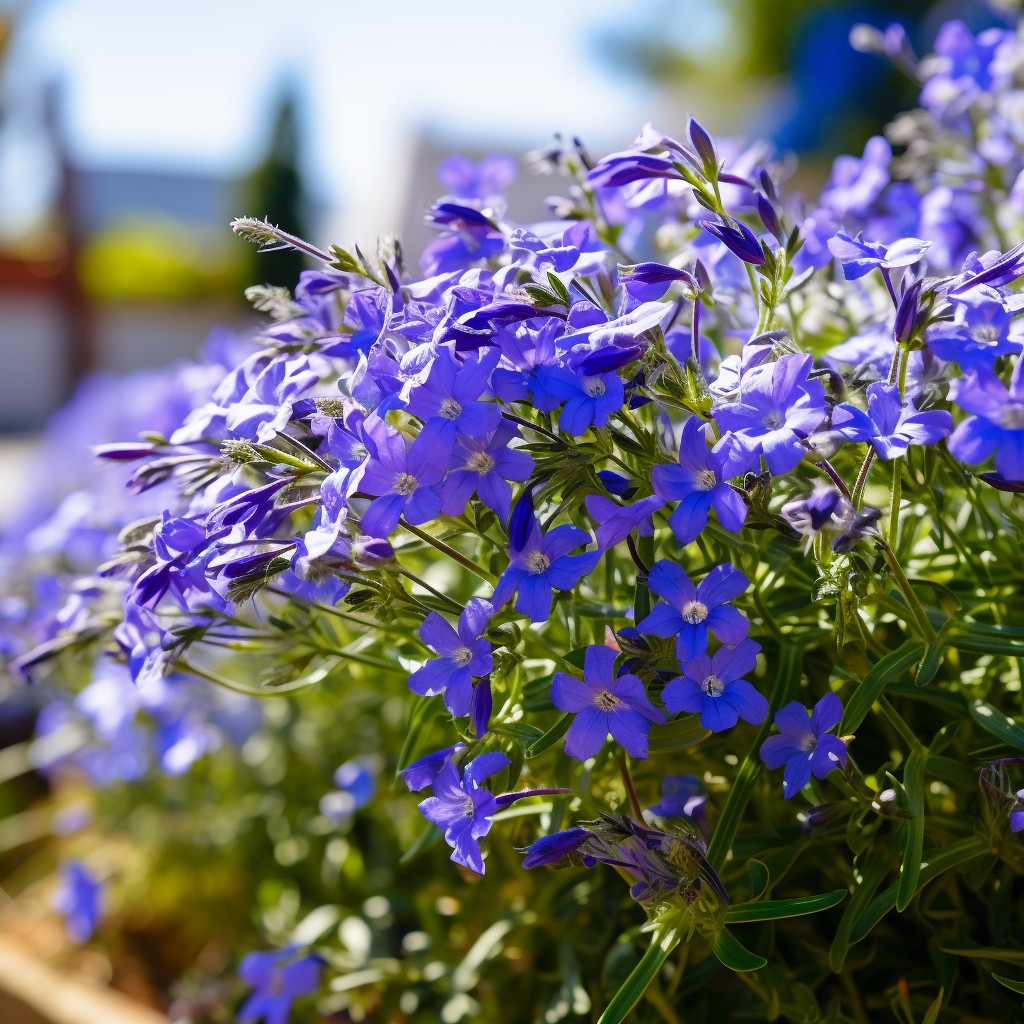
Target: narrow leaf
(886, 671)
(662, 944)
(1013, 986)
(552, 736)
(1010, 956)
(994, 721)
(735, 955)
(770, 910)
(910, 869)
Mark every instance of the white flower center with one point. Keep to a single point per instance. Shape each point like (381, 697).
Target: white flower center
(713, 686)
(594, 386)
(537, 562)
(462, 656)
(773, 420)
(986, 335)
(706, 480)
(1012, 417)
(606, 700)
(480, 462)
(694, 612)
(405, 484)
(450, 409)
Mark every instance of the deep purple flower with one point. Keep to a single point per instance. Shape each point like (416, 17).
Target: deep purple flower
(79, 899)
(682, 796)
(690, 612)
(778, 406)
(551, 849)
(623, 168)
(356, 783)
(484, 466)
(463, 808)
(422, 773)
(616, 522)
(737, 238)
(648, 282)
(896, 425)
(586, 400)
(805, 745)
(997, 423)
(544, 564)
(715, 687)
(401, 480)
(982, 329)
(824, 509)
(859, 258)
(698, 483)
(1017, 815)
(464, 656)
(277, 978)
(604, 704)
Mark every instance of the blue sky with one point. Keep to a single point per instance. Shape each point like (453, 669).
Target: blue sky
(186, 83)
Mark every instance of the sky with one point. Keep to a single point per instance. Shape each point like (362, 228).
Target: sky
(187, 83)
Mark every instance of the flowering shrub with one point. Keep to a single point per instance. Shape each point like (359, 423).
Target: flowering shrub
(605, 520)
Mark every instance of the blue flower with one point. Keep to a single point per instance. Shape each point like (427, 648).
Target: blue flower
(463, 808)
(982, 329)
(79, 898)
(356, 782)
(805, 745)
(859, 258)
(543, 564)
(464, 656)
(715, 687)
(698, 483)
(277, 978)
(896, 425)
(483, 466)
(422, 773)
(682, 796)
(778, 406)
(588, 399)
(997, 424)
(1017, 815)
(616, 522)
(604, 704)
(690, 612)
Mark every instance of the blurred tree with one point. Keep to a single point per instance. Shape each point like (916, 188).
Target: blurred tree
(274, 190)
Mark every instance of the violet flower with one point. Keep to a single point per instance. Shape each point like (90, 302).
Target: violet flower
(690, 612)
(805, 745)
(859, 258)
(464, 656)
(897, 425)
(714, 687)
(604, 704)
(997, 423)
(79, 898)
(277, 978)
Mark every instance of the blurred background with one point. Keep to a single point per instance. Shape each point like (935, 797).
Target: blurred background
(131, 133)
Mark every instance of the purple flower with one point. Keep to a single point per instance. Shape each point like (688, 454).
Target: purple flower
(464, 656)
(604, 704)
(982, 329)
(856, 182)
(692, 611)
(859, 258)
(356, 783)
(824, 509)
(896, 425)
(698, 483)
(778, 406)
(616, 522)
(550, 849)
(587, 400)
(483, 466)
(997, 423)
(277, 978)
(402, 480)
(648, 282)
(465, 179)
(737, 238)
(1017, 815)
(682, 796)
(543, 564)
(422, 773)
(715, 687)
(805, 745)
(463, 808)
(79, 899)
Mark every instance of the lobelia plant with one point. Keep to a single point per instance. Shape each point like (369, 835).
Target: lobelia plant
(634, 508)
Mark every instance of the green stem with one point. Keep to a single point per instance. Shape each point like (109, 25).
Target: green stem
(908, 592)
(447, 549)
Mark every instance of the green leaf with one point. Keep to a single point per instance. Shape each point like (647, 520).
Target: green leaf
(1013, 986)
(552, 736)
(677, 735)
(558, 288)
(731, 952)
(662, 944)
(786, 680)
(1000, 725)
(872, 868)
(759, 878)
(423, 714)
(933, 655)
(932, 1015)
(913, 847)
(771, 910)
(1010, 956)
(937, 863)
(878, 677)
